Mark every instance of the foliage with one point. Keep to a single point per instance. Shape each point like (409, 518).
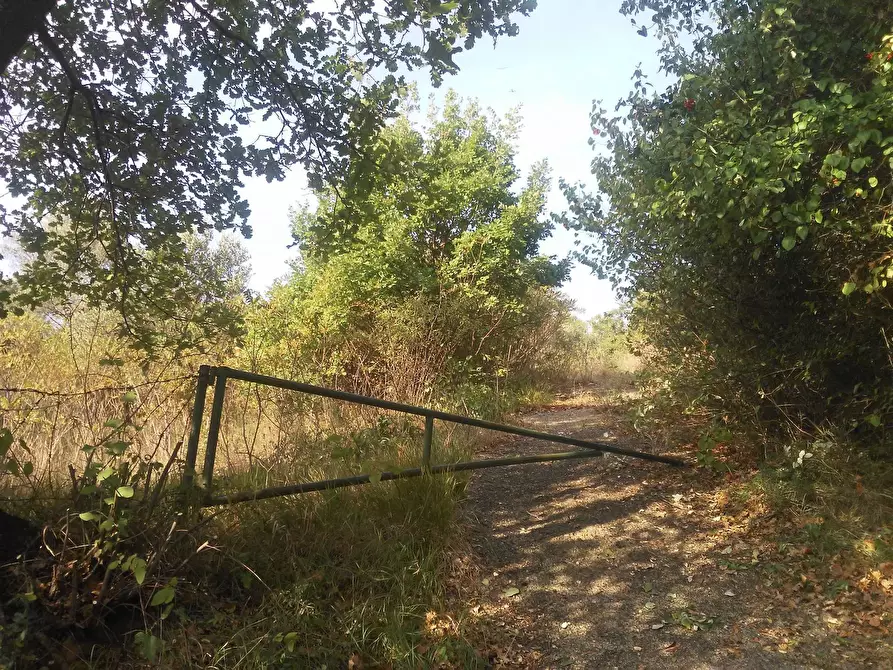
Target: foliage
(206, 303)
(125, 124)
(109, 541)
(602, 345)
(118, 564)
(745, 208)
(423, 272)
(364, 566)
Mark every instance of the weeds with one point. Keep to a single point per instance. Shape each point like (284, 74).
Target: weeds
(353, 572)
(127, 567)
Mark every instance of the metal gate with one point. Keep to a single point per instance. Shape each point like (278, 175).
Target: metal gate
(220, 375)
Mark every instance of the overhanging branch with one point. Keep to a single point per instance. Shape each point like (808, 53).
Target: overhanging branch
(19, 19)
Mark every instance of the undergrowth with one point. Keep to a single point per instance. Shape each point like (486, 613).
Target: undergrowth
(122, 568)
(317, 580)
(825, 499)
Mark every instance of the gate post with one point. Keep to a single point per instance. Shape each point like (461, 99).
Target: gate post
(426, 445)
(214, 427)
(195, 427)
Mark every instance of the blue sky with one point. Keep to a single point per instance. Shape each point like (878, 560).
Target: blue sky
(568, 53)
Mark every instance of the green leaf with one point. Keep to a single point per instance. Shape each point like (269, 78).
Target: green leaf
(289, 640)
(6, 440)
(148, 646)
(444, 8)
(129, 398)
(848, 288)
(113, 423)
(789, 242)
(138, 568)
(874, 420)
(438, 52)
(858, 163)
(117, 448)
(27, 468)
(124, 491)
(163, 596)
(375, 477)
(872, 181)
(105, 473)
(165, 613)
(511, 592)
(802, 232)
(89, 516)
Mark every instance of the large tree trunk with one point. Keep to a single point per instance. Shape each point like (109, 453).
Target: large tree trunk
(19, 19)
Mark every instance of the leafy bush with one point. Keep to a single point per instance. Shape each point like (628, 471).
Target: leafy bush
(744, 209)
(603, 345)
(423, 274)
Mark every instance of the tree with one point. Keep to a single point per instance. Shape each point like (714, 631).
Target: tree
(206, 306)
(746, 207)
(436, 250)
(125, 124)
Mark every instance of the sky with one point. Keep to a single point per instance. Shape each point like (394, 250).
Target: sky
(568, 53)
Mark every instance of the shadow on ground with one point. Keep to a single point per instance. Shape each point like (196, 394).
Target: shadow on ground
(618, 563)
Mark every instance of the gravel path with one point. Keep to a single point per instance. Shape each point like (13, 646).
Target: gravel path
(618, 563)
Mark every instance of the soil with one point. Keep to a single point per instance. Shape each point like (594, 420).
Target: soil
(621, 563)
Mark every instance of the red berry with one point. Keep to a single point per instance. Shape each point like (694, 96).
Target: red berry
(596, 131)
(689, 104)
(869, 55)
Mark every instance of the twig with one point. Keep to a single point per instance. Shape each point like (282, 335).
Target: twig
(159, 485)
(72, 394)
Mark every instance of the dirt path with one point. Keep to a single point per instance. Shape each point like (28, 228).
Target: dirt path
(615, 563)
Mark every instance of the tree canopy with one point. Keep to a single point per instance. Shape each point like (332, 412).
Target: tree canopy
(438, 249)
(746, 208)
(128, 124)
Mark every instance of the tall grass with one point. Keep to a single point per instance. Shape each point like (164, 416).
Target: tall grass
(600, 350)
(294, 582)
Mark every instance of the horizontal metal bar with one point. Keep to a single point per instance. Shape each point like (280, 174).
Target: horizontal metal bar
(441, 416)
(327, 484)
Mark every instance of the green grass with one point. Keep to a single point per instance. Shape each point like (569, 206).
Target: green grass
(307, 581)
(310, 581)
(839, 500)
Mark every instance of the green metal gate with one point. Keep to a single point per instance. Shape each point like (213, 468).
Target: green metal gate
(219, 376)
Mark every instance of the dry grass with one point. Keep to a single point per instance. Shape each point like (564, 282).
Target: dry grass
(310, 580)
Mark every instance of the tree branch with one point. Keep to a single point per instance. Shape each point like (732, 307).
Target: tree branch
(19, 19)
(89, 95)
(77, 86)
(257, 55)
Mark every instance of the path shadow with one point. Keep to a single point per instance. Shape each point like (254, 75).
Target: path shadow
(614, 566)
